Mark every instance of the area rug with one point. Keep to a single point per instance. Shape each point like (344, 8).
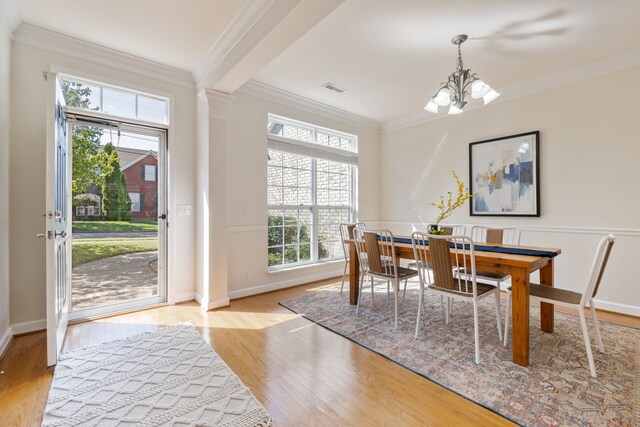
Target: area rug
(556, 388)
(169, 377)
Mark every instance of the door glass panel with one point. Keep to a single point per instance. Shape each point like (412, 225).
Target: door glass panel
(115, 185)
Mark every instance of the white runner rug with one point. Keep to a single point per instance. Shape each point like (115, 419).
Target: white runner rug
(170, 377)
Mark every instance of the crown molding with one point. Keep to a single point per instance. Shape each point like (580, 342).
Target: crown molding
(270, 93)
(9, 16)
(51, 41)
(248, 15)
(218, 103)
(563, 78)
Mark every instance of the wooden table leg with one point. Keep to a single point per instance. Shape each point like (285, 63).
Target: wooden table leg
(520, 315)
(354, 275)
(546, 309)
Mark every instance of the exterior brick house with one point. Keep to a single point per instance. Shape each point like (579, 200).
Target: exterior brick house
(140, 169)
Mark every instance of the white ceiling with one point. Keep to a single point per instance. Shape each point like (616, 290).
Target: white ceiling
(390, 56)
(174, 33)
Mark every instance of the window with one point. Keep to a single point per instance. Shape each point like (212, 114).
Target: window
(80, 211)
(135, 202)
(149, 172)
(116, 101)
(310, 182)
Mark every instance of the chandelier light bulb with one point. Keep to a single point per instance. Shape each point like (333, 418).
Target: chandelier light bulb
(431, 106)
(443, 97)
(479, 89)
(454, 109)
(490, 96)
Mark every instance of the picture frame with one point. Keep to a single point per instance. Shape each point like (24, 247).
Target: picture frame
(504, 176)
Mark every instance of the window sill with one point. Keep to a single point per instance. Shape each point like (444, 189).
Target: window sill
(304, 266)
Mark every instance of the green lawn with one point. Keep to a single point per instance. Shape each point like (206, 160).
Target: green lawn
(87, 250)
(112, 226)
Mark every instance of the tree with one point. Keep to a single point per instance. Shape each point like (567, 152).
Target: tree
(89, 162)
(116, 203)
(290, 234)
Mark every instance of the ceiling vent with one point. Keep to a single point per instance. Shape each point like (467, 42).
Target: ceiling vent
(333, 87)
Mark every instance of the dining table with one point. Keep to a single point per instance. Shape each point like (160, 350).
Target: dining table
(517, 261)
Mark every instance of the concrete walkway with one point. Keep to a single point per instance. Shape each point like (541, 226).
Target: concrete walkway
(116, 235)
(112, 280)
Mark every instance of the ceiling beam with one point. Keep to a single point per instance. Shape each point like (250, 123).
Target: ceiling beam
(258, 33)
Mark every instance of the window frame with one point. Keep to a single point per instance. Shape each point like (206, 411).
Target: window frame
(146, 174)
(322, 152)
(138, 202)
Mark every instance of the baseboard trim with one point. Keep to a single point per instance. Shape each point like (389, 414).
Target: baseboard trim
(219, 303)
(5, 341)
(189, 296)
(261, 289)
(630, 310)
(27, 327)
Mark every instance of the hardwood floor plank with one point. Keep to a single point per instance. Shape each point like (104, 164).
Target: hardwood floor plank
(302, 373)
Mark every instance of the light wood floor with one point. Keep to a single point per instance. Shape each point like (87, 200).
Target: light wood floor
(302, 373)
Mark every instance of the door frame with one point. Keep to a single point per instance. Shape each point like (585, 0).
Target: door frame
(85, 118)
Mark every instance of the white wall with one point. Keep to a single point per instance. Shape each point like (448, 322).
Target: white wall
(589, 152)
(5, 91)
(27, 176)
(247, 195)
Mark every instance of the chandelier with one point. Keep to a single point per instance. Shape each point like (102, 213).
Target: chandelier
(454, 91)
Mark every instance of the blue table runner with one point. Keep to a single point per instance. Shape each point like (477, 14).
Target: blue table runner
(497, 249)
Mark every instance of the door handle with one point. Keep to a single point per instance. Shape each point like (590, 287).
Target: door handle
(41, 235)
(163, 216)
(62, 234)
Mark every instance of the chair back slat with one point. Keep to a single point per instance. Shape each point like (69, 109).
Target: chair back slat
(373, 252)
(346, 233)
(441, 264)
(421, 254)
(598, 267)
(496, 235)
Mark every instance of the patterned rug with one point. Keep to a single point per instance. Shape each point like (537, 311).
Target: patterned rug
(556, 389)
(170, 377)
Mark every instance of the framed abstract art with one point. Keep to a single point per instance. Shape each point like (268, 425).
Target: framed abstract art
(504, 176)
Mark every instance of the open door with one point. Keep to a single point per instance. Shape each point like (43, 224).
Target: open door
(57, 227)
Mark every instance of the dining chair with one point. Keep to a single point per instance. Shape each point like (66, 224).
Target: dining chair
(446, 254)
(573, 299)
(495, 235)
(377, 254)
(346, 233)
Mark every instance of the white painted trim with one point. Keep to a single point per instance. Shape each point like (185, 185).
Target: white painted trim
(137, 159)
(241, 293)
(219, 303)
(5, 340)
(244, 20)
(25, 327)
(9, 16)
(563, 78)
(628, 232)
(270, 93)
(246, 228)
(198, 298)
(189, 296)
(615, 307)
(40, 38)
(218, 103)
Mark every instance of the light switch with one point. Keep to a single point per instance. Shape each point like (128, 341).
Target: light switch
(184, 209)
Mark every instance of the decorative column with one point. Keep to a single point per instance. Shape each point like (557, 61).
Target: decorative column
(212, 188)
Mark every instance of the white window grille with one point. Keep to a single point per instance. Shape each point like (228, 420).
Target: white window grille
(149, 172)
(310, 186)
(135, 202)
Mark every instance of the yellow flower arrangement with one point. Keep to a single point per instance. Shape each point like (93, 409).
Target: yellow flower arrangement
(446, 207)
